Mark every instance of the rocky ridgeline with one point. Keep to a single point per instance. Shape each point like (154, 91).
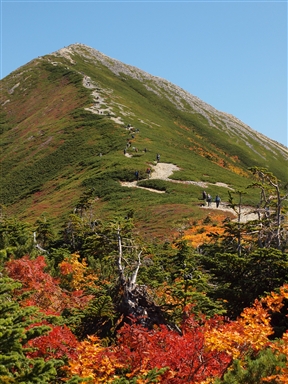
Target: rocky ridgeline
(179, 97)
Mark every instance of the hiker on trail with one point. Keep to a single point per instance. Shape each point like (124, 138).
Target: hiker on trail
(204, 195)
(148, 171)
(158, 157)
(209, 199)
(217, 201)
(137, 175)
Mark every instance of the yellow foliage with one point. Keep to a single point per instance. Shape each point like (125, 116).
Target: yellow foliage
(251, 331)
(92, 363)
(237, 170)
(76, 273)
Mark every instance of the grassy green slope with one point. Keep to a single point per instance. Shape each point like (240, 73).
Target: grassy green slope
(50, 146)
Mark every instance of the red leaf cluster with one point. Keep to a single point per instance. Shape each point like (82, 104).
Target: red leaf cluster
(185, 354)
(58, 343)
(44, 290)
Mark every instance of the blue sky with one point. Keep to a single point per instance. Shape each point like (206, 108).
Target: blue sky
(230, 54)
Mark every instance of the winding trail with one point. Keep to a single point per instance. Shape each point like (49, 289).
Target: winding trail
(162, 171)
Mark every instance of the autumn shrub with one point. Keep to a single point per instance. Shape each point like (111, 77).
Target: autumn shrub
(41, 289)
(94, 362)
(58, 343)
(177, 357)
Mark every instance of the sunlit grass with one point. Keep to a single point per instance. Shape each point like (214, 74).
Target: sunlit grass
(51, 146)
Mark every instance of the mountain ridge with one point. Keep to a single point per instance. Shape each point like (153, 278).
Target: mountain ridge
(195, 102)
(67, 117)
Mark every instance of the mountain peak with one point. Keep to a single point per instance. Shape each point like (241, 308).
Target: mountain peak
(84, 121)
(178, 96)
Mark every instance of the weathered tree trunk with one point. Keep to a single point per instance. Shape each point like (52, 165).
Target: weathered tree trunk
(36, 245)
(136, 303)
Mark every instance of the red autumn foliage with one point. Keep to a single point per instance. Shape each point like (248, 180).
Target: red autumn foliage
(58, 343)
(186, 356)
(44, 290)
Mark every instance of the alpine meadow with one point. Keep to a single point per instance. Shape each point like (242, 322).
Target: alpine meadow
(143, 233)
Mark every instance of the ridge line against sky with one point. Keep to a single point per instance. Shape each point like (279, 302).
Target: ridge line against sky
(230, 54)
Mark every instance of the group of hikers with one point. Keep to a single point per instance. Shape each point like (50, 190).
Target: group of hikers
(205, 196)
(208, 198)
(148, 170)
(133, 131)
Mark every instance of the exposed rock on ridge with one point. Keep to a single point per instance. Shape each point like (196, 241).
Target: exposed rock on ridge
(179, 97)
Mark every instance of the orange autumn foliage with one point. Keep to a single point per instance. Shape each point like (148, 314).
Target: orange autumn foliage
(251, 331)
(165, 294)
(197, 234)
(76, 274)
(93, 362)
(203, 351)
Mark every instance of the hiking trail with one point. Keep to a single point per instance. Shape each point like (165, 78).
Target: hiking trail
(162, 171)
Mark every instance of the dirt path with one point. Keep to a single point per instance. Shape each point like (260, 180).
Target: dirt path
(133, 184)
(162, 171)
(247, 213)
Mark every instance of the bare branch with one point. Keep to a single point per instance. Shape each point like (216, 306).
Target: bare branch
(135, 273)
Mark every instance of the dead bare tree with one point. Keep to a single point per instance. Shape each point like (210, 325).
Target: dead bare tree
(136, 302)
(272, 232)
(36, 245)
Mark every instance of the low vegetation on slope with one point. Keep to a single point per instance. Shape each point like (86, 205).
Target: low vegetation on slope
(67, 119)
